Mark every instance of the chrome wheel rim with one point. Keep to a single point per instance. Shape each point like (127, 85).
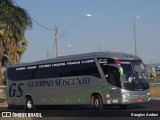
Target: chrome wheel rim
(29, 104)
(96, 103)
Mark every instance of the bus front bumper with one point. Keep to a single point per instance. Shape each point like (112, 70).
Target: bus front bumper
(135, 97)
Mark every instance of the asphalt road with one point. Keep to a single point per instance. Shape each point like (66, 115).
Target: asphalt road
(84, 111)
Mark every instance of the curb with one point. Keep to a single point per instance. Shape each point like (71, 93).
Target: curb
(153, 98)
(154, 83)
(4, 105)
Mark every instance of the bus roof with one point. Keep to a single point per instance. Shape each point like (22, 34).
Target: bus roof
(113, 55)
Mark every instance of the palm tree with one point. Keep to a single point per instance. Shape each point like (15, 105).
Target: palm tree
(15, 49)
(2, 49)
(13, 23)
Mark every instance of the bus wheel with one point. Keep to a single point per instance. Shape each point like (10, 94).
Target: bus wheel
(97, 102)
(29, 104)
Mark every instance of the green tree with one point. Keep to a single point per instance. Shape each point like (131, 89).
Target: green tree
(13, 22)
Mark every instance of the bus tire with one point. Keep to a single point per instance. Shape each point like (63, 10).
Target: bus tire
(97, 102)
(11, 107)
(29, 105)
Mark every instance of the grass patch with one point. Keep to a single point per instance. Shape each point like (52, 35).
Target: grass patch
(155, 91)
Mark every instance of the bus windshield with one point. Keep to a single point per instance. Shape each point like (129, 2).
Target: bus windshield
(134, 76)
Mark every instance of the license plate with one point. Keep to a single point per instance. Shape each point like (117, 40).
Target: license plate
(139, 100)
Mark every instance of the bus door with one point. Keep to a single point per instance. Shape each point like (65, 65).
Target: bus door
(112, 75)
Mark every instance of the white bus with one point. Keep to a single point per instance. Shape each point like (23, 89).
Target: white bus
(98, 79)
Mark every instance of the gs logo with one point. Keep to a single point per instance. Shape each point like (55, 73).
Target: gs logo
(15, 90)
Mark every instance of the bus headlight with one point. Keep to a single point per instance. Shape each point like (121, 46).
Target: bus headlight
(148, 93)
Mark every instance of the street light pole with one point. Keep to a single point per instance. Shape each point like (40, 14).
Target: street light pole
(134, 27)
(56, 32)
(56, 40)
(100, 43)
(71, 26)
(135, 47)
(63, 48)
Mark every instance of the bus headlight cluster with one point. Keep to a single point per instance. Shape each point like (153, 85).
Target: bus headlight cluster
(148, 93)
(126, 101)
(126, 94)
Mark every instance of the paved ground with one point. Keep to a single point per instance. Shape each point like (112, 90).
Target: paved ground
(85, 113)
(77, 112)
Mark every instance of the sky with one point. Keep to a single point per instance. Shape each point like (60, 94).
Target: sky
(110, 28)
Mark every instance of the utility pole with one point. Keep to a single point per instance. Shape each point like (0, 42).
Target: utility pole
(56, 40)
(47, 54)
